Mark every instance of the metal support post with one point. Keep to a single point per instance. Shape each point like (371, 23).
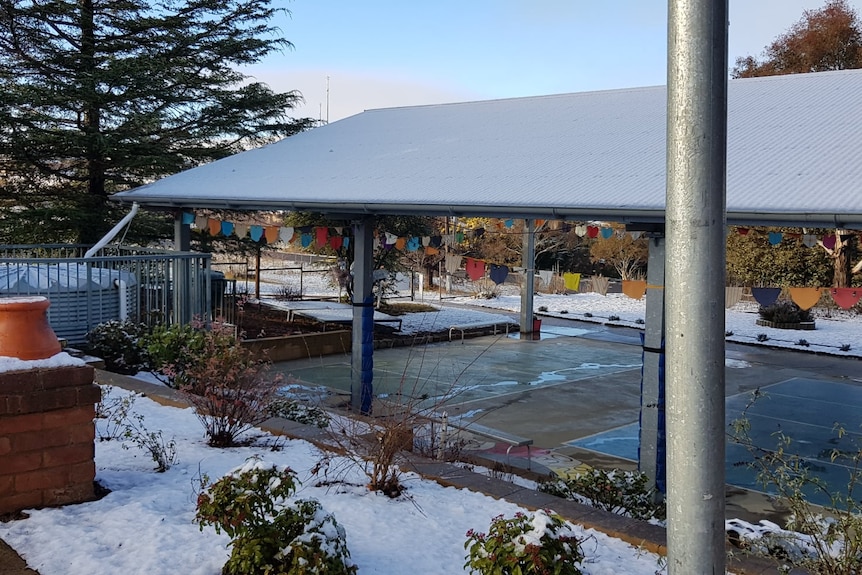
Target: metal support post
(528, 260)
(695, 269)
(652, 446)
(362, 349)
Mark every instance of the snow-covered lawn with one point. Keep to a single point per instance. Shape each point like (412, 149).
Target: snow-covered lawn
(145, 525)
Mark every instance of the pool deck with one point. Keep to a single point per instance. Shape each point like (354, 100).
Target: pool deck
(577, 381)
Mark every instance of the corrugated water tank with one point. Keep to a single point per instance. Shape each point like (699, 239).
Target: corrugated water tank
(81, 296)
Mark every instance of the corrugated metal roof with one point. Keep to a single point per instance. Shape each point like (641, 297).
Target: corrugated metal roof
(794, 156)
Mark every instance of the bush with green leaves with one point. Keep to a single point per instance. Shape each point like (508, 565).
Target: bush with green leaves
(622, 492)
(171, 348)
(118, 344)
(538, 544)
(269, 535)
(784, 312)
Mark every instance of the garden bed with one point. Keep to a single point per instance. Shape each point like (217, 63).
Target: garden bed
(803, 325)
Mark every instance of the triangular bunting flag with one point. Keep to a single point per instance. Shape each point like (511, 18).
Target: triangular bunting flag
(256, 233)
(765, 296)
(805, 297)
(635, 289)
(572, 281)
(322, 234)
(271, 234)
(498, 273)
(475, 269)
(846, 297)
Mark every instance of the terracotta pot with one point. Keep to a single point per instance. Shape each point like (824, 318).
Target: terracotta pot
(24, 329)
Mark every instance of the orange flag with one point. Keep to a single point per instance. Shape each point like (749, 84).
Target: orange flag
(635, 289)
(271, 234)
(805, 298)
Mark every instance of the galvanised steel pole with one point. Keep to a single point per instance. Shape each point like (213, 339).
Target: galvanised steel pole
(695, 268)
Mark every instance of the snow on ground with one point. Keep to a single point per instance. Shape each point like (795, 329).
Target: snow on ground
(832, 333)
(838, 332)
(145, 525)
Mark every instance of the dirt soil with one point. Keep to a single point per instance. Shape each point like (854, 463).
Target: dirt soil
(260, 320)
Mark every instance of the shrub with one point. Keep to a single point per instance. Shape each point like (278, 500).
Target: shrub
(116, 420)
(534, 545)
(171, 348)
(640, 321)
(118, 344)
(112, 414)
(761, 337)
(817, 539)
(299, 412)
(613, 318)
(268, 535)
(543, 308)
(228, 386)
(802, 342)
(621, 492)
(845, 347)
(784, 312)
(163, 453)
(288, 292)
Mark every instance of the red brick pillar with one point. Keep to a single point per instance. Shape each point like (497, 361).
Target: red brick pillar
(47, 434)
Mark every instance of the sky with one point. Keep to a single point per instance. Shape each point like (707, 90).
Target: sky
(386, 53)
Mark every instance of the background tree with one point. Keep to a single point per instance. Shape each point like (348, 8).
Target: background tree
(390, 259)
(628, 256)
(829, 38)
(104, 95)
(753, 261)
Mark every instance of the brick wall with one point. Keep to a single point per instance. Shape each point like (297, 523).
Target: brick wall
(47, 437)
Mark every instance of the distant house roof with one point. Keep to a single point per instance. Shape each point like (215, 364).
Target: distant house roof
(794, 157)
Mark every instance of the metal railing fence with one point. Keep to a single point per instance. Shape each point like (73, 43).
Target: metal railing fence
(152, 286)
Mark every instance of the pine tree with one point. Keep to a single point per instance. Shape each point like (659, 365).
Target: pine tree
(100, 96)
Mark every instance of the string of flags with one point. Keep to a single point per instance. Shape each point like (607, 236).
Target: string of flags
(808, 240)
(339, 238)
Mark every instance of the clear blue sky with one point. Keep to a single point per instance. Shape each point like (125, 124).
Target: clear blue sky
(382, 53)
